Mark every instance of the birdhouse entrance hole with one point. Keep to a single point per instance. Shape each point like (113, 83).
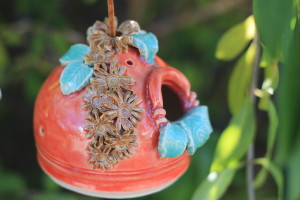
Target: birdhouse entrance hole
(172, 104)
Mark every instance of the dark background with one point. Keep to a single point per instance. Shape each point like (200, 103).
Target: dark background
(35, 33)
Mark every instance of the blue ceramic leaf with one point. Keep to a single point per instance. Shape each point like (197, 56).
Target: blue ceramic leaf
(75, 53)
(75, 77)
(147, 45)
(172, 141)
(197, 126)
(192, 130)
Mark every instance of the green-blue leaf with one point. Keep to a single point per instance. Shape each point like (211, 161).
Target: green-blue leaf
(147, 44)
(75, 77)
(75, 53)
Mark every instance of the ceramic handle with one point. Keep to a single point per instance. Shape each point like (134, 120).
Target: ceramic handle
(189, 132)
(177, 82)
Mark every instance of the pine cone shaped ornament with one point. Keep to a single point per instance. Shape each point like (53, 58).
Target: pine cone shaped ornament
(100, 124)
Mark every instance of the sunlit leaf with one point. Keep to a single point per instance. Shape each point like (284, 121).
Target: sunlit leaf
(240, 80)
(275, 172)
(235, 139)
(215, 185)
(273, 19)
(235, 40)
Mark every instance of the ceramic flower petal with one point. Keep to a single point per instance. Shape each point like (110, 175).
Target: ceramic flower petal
(75, 53)
(75, 77)
(147, 44)
(192, 130)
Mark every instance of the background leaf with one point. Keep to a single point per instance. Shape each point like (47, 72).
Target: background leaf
(3, 62)
(235, 40)
(275, 172)
(273, 27)
(293, 175)
(289, 107)
(272, 130)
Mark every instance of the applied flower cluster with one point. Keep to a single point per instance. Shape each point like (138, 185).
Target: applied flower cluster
(113, 113)
(112, 106)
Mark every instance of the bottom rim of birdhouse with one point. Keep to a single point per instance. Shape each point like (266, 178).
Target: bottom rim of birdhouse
(115, 184)
(114, 195)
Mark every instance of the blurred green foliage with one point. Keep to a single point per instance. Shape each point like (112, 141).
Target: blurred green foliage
(34, 34)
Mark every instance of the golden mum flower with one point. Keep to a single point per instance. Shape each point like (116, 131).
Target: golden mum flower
(99, 57)
(112, 80)
(124, 109)
(94, 100)
(98, 126)
(121, 145)
(98, 35)
(100, 157)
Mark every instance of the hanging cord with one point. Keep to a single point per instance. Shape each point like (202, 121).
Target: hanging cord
(111, 17)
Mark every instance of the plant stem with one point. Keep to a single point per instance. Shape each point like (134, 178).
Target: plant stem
(111, 17)
(251, 150)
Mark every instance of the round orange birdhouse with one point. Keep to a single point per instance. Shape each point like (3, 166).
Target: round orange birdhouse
(100, 124)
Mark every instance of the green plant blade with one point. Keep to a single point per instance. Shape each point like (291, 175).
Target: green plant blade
(215, 185)
(235, 139)
(275, 172)
(293, 175)
(273, 27)
(235, 40)
(240, 80)
(272, 131)
(273, 125)
(289, 107)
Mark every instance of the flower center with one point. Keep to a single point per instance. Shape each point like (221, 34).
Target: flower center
(96, 101)
(112, 159)
(121, 146)
(101, 158)
(125, 111)
(113, 80)
(100, 129)
(100, 58)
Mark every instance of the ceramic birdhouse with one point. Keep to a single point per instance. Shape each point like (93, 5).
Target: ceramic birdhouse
(100, 123)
